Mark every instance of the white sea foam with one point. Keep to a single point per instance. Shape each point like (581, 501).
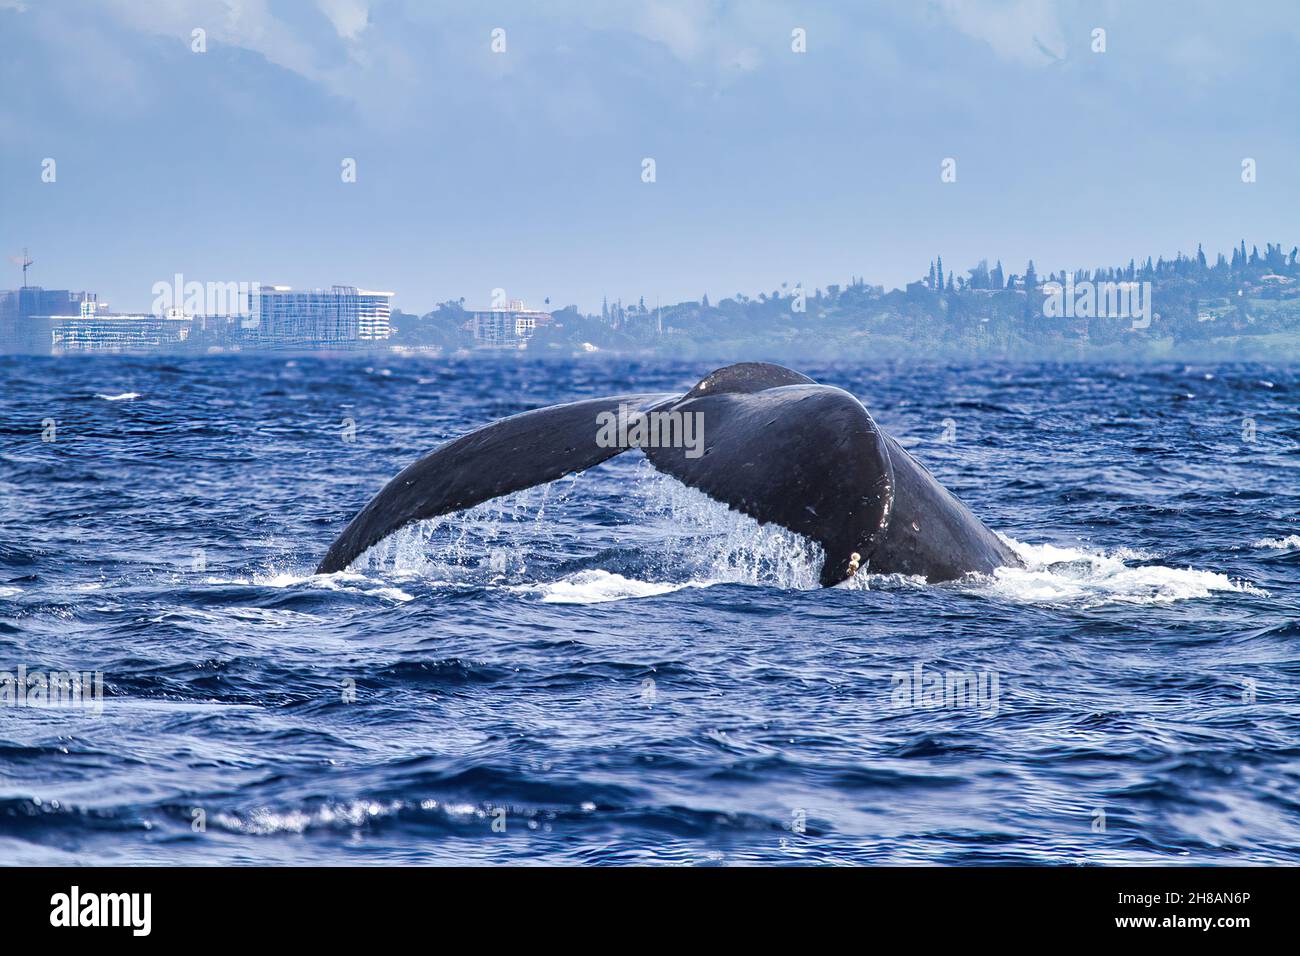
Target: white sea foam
(1278, 544)
(123, 397)
(339, 815)
(264, 821)
(1052, 575)
(597, 586)
(1075, 576)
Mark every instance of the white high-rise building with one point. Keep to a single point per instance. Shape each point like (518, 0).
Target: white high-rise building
(339, 317)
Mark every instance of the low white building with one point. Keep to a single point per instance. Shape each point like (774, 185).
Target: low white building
(97, 330)
(508, 327)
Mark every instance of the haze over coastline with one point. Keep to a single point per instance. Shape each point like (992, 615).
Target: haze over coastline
(523, 169)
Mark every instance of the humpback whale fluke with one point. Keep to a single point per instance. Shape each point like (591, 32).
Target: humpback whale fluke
(776, 446)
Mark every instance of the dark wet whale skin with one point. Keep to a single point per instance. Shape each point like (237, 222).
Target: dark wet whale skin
(778, 447)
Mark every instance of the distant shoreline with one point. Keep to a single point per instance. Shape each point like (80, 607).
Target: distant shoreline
(1157, 353)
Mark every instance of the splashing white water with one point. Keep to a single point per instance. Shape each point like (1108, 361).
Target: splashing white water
(682, 538)
(123, 397)
(711, 544)
(491, 542)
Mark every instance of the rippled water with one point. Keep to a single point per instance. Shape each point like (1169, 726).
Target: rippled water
(614, 668)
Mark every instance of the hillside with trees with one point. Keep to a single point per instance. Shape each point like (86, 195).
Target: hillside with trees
(1244, 305)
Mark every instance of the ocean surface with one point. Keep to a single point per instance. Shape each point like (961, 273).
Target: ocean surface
(614, 669)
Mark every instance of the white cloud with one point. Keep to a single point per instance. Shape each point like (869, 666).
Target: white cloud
(248, 24)
(700, 33)
(252, 25)
(350, 17)
(1023, 31)
(678, 26)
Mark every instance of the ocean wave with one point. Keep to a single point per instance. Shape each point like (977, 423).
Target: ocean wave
(348, 581)
(264, 821)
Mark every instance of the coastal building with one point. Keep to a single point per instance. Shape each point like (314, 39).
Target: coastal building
(25, 317)
(97, 330)
(508, 327)
(342, 317)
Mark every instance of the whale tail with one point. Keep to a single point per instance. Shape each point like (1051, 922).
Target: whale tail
(772, 444)
(515, 453)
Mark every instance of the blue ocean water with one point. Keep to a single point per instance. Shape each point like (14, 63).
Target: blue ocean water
(614, 669)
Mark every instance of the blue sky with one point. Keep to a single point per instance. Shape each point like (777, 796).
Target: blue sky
(522, 170)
